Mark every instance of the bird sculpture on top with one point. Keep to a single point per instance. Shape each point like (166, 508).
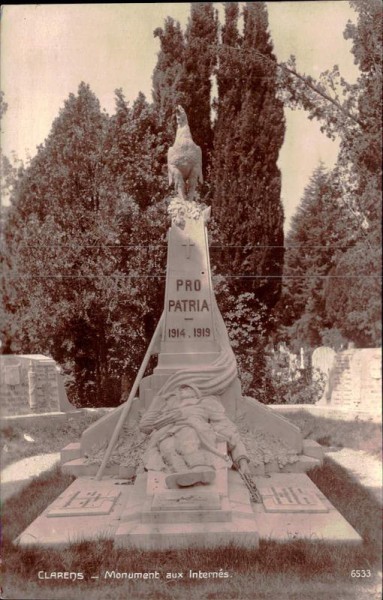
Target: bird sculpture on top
(184, 159)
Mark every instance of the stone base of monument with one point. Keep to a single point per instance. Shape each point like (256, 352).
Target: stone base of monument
(201, 516)
(149, 516)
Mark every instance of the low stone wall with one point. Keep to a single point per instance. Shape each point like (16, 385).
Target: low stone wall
(51, 417)
(354, 379)
(329, 412)
(31, 384)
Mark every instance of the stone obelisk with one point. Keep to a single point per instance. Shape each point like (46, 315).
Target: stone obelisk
(193, 340)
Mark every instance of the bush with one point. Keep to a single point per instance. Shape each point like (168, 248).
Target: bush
(284, 382)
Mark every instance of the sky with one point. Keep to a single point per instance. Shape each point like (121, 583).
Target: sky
(47, 50)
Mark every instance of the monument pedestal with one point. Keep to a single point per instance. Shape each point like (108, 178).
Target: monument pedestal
(201, 516)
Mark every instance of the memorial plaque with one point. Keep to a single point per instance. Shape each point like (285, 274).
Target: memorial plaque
(83, 503)
(188, 302)
(291, 499)
(186, 500)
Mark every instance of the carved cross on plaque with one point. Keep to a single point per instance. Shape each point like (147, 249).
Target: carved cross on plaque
(187, 246)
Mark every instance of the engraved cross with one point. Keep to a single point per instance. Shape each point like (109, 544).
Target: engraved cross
(187, 246)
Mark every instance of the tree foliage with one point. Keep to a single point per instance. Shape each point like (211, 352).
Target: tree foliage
(167, 74)
(321, 231)
(353, 296)
(350, 112)
(249, 133)
(200, 58)
(134, 153)
(350, 300)
(77, 285)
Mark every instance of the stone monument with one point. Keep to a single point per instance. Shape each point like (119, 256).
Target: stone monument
(198, 483)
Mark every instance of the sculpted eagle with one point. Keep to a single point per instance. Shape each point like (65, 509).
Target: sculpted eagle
(184, 159)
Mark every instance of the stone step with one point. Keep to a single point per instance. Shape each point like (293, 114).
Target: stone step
(342, 374)
(312, 457)
(71, 452)
(158, 380)
(80, 468)
(284, 513)
(343, 385)
(148, 396)
(304, 464)
(242, 533)
(186, 516)
(344, 398)
(345, 391)
(313, 449)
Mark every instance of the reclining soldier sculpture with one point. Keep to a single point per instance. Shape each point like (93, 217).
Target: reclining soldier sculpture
(185, 428)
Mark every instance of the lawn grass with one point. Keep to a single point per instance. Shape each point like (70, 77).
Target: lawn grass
(293, 570)
(358, 435)
(48, 437)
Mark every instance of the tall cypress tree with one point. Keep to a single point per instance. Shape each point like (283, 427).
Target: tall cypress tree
(225, 160)
(228, 107)
(249, 134)
(183, 74)
(168, 73)
(199, 61)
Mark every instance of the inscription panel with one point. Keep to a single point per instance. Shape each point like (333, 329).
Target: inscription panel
(186, 500)
(188, 309)
(83, 503)
(291, 499)
(189, 319)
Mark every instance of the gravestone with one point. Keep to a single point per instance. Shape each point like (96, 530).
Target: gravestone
(31, 384)
(322, 361)
(162, 511)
